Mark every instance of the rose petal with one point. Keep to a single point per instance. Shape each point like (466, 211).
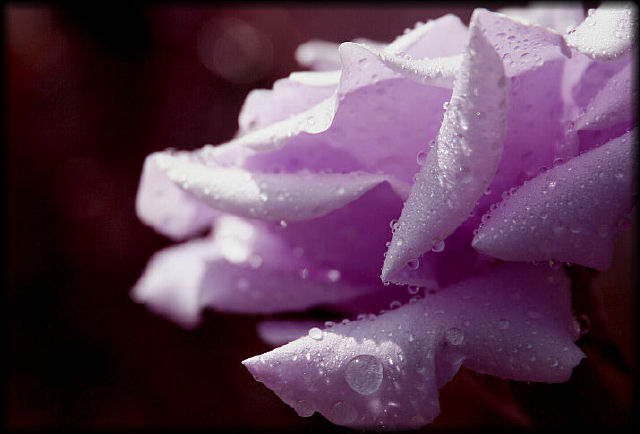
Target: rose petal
(522, 47)
(607, 33)
(167, 208)
(289, 96)
(558, 17)
(569, 213)
(467, 151)
(245, 268)
(268, 196)
(171, 285)
(385, 373)
(277, 333)
(442, 37)
(613, 104)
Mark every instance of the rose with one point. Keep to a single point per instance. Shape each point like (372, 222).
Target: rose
(455, 123)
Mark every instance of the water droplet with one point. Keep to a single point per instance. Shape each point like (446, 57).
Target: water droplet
(554, 362)
(584, 324)
(413, 290)
(421, 157)
(393, 224)
(413, 264)
(264, 196)
(334, 275)
(555, 264)
(342, 413)
(394, 304)
(487, 192)
(304, 273)
(364, 374)
(315, 333)
(283, 223)
(303, 408)
(341, 191)
(329, 324)
(454, 336)
(438, 246)
(504, 324)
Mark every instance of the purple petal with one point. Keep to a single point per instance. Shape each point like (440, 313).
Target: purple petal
(442, 37)
(280, 332)
(558, 16)
(289, 96)
(607, 33)
(613, 104)
(242, 267)
(569, 213)
(465, 157)
(167, 208)
(385, 373)
(268, 196)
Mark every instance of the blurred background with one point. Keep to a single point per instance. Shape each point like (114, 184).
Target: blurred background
(89, 92)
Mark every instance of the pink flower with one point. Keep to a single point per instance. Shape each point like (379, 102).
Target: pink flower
(484, 148)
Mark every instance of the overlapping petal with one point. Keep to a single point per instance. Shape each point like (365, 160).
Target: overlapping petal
(167, 208)
(608, 32)
(242, 268)
(559, 17)
(385, 372)
(569, 213)
(467, 151)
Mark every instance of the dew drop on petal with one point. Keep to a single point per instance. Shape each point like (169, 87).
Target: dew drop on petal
(438, 246)
(342, 413)
(303, 408)
(364, 374)
(584, 324)
(315, 333)
(421, 157)
(413, 264)
(394, 304)
(334, 275)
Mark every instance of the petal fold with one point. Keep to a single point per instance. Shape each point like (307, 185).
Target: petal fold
(465, 157)
(166, 207)
(268, 196)
(570, 213)
(241, 267)
(384, 372)
(608, 32)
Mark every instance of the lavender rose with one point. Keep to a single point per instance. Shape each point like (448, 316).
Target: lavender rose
(486, 148)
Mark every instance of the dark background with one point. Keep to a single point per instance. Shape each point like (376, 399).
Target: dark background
(89, 92)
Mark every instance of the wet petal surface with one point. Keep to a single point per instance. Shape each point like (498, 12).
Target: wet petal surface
(385, 372)
(570, 213)
(466, 154)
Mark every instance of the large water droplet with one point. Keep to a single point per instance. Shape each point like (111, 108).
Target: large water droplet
(364, 374)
